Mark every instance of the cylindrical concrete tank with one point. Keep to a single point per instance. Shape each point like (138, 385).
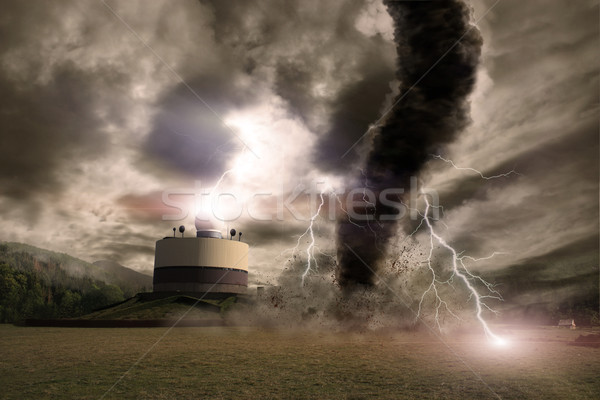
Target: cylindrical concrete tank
(203, 264)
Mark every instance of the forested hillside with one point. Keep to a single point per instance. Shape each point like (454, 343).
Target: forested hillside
(37, 283)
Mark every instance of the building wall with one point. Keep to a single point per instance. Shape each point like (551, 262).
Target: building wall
(200, 264)
(206, 252)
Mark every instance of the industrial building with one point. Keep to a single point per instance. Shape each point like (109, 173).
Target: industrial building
(201, 265)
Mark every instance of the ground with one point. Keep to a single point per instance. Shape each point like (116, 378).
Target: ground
(258, 363)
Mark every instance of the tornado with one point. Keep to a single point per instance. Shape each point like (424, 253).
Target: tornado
(438, 52)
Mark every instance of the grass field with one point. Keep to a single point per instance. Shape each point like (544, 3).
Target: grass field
(253, 363)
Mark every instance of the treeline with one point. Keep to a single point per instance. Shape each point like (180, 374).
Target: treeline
(26, 294)
(63, 270)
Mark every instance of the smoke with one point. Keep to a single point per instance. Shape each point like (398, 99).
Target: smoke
(315, 306)
(438, 53)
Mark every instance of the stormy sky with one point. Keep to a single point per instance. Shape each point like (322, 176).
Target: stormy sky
(108, 109)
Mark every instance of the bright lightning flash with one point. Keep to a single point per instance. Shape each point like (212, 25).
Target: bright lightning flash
(460, 270)
(311, 263)
(511, 172)
(206, 207)
(310, 250)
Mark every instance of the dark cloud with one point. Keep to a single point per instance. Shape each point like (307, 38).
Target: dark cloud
(294, 82)
(21, 25)
(55, 104)
(332, 76)
(573, 266)
(561, 173)
(559, 33)
(266, 23)
(362, 74)
(575, 151)
(49, 127)
(190, 135)
(357, 106)
(273, 232)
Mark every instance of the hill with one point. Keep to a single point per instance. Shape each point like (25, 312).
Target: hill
(51, 266)
(38, 283)
(147, 307)
(128, 280)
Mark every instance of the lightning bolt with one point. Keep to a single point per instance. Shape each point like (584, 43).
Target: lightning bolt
(200, 209)
(511, 172)
(458, 268)
(312, 263)
(477, 288)
(220, 180)
(212, 191)
(227, 172)
(310, 249)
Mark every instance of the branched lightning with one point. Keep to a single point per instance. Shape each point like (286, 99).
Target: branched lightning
(310, 250)
(478, 289)
(311, 263)
(511, 172)
(459, 269)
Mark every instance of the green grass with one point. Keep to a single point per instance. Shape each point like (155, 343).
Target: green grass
(164, 308)
(253, 363)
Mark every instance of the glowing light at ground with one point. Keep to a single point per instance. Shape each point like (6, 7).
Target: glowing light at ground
(499, 342)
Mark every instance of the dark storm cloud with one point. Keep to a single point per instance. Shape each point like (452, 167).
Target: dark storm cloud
(547, 33)
(428, 116)
(53, 108)
(49, 127)
(264, 23)
(293, 82)
(271, 232)
(332, 76)
(569, 272)
(357, 106)
(192, 137)
(21, 23)
(554, 161)
(189, 132)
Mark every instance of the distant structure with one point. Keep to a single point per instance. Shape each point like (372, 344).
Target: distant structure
(203, 264)
(568, 323)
